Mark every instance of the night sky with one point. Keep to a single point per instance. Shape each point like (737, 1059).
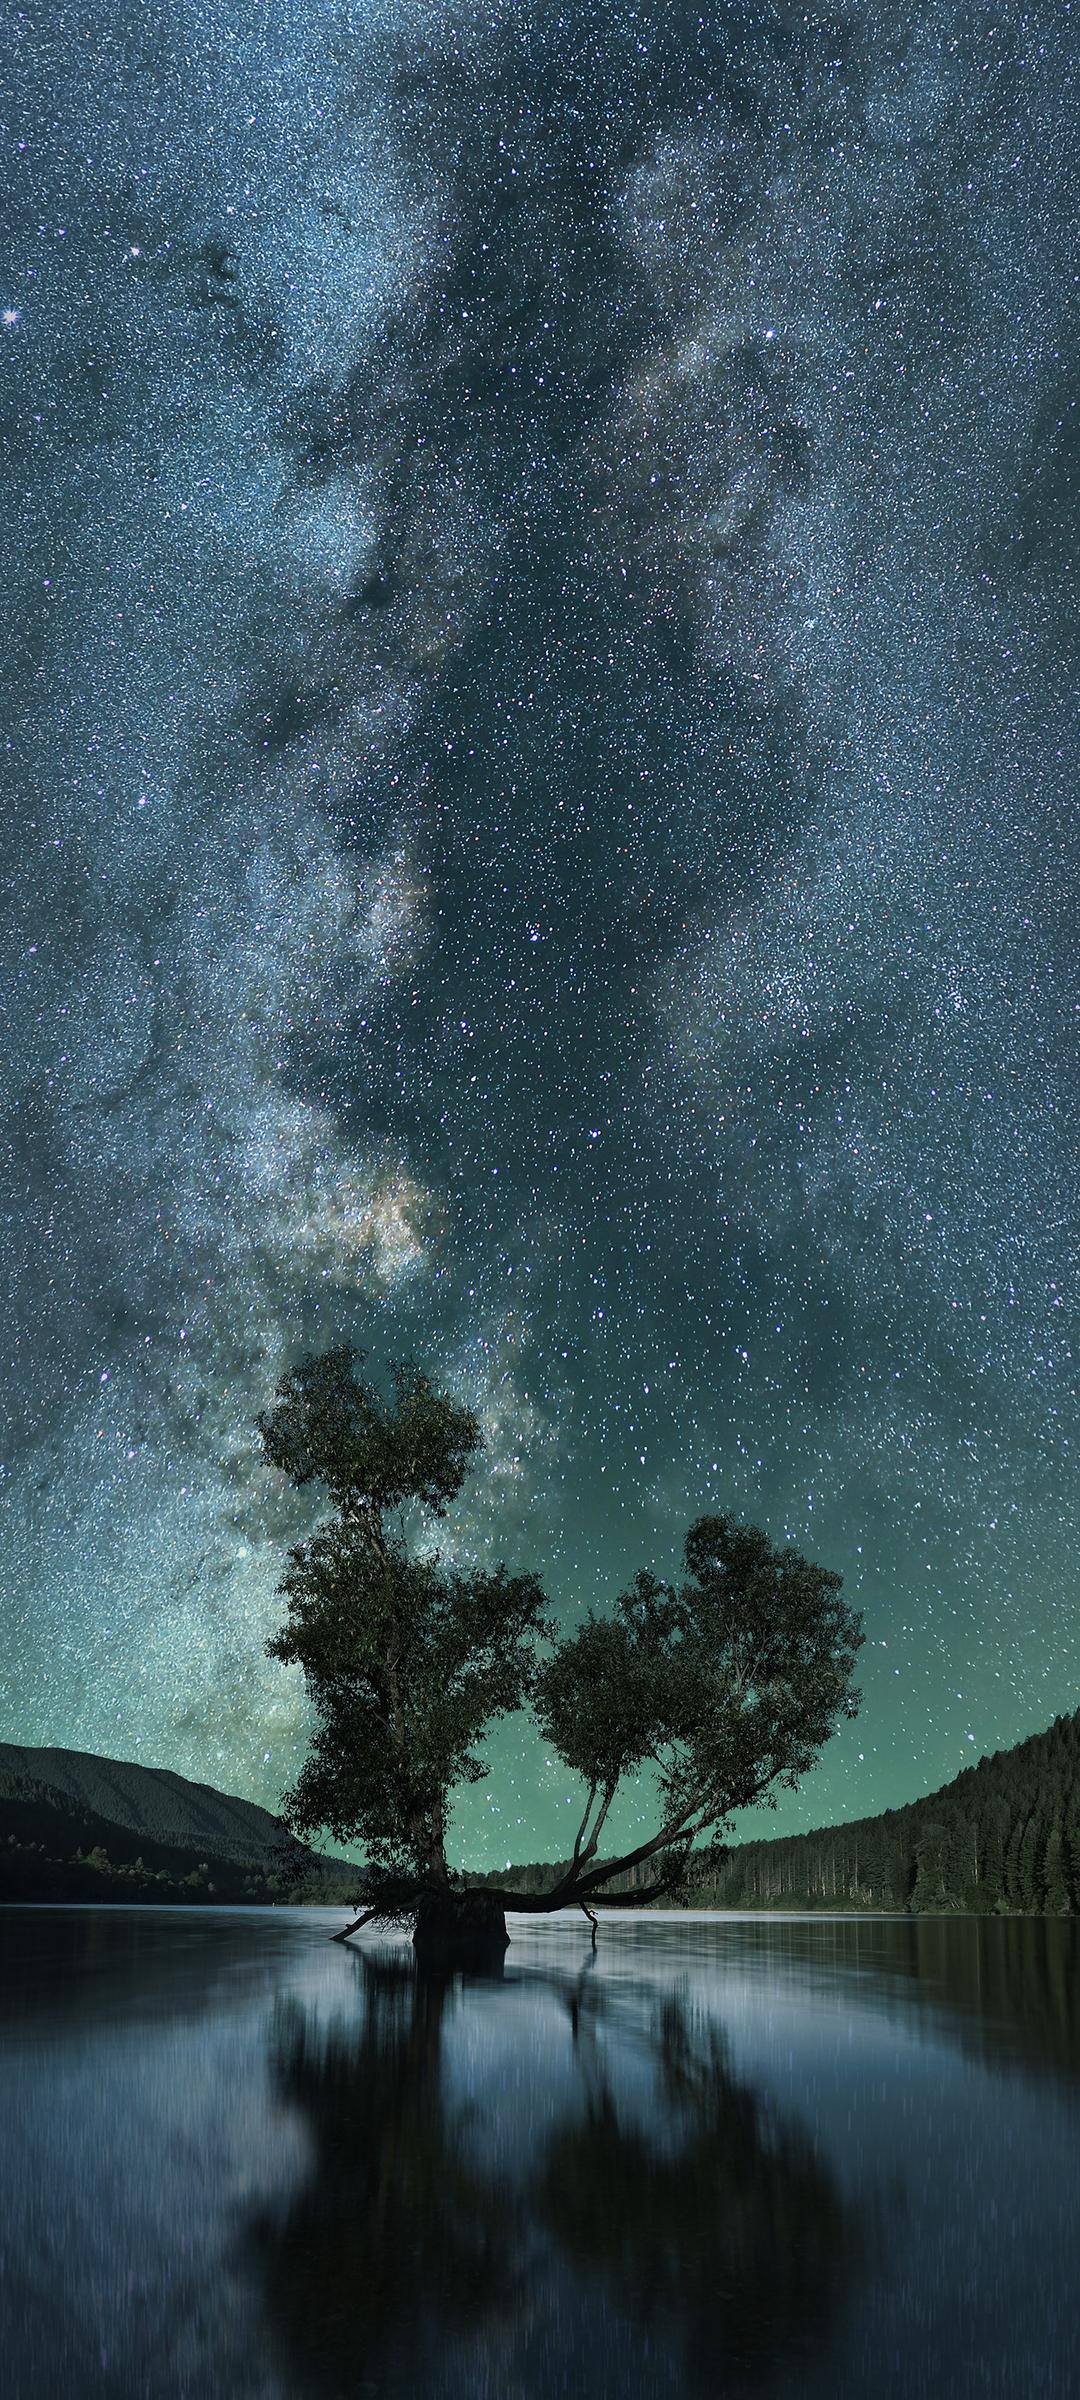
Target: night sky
(540, 725)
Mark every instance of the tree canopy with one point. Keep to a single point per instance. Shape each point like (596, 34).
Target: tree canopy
(407, 1660)
(727, 1685)
(722, 1687)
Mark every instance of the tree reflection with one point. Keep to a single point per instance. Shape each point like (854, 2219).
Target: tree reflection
(688, 2208)
(714, 2223)
(394, 2236)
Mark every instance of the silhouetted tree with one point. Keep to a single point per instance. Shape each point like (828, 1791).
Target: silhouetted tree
(931, 1855)
(1052, 1874)
(726, 1686)
(722, 1687)
(407, 1662)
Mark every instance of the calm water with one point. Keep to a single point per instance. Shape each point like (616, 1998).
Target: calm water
(723, 2155)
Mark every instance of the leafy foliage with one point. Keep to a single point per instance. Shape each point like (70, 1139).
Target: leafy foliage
(724, 1686)
(728, 1684)
(372, 1451)
(407, 1662)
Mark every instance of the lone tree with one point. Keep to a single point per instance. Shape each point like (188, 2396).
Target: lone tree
(723, 1687)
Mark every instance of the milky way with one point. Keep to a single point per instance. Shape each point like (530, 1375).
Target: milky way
(540, 715)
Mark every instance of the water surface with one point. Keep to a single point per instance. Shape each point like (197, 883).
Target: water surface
(717, 2156)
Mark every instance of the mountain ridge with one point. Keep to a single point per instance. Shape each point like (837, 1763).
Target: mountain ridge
(74, 1823)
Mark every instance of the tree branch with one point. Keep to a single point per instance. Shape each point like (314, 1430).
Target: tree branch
(584, 1822)
(590, 1846)
(681, 1831)
(574, 1887)
(539, 1904)
(368, 1918)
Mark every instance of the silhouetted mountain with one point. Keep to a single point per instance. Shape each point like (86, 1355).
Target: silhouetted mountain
(1004, 1836)
(74, 1826)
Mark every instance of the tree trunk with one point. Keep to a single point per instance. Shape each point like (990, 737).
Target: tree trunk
(461, 1929)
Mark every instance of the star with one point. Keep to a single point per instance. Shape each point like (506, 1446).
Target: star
(540, 817)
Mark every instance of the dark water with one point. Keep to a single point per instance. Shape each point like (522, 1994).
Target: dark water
(808, 2157)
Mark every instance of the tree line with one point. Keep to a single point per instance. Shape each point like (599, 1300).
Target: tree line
(1003, 1838)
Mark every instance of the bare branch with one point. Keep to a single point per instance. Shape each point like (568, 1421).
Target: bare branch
(590, 1846)
(681, 1831)
(573, 1887)
(584, 1822)
(368, 1918)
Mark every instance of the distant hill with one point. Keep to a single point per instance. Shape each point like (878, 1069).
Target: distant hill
(74, 1826)
(1004, 1837)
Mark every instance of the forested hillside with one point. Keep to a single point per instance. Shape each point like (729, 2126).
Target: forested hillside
(77, 1827)
(1004, 1836)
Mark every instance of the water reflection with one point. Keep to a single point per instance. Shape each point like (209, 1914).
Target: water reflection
(797, 2158)
(1004, 1988)
(694, 2211)
(70, 1969)
(714, 2220)
(394, 2234)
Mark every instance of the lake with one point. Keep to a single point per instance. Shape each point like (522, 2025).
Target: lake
(717, 2155)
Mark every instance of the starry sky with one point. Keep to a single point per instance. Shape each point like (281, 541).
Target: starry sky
(540, 738)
